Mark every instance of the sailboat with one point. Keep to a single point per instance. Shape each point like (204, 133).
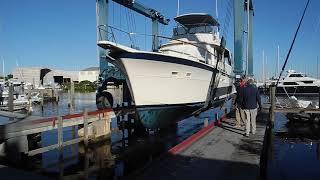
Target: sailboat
(189, 72)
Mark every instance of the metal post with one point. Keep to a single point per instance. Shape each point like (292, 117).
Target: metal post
(273, 102)
(102, 9)
(238, 36)
(155, 34)
(250, 35)
(85, 126)
(10, 100)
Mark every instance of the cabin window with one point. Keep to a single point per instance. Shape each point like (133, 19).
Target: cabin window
(296, 75)
(174, 73)
(307, 82)
(188, 74)
(290, 83)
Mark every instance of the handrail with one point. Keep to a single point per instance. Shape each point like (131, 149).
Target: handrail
(150, 35)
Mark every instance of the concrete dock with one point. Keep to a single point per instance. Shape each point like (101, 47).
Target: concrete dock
(223, 153)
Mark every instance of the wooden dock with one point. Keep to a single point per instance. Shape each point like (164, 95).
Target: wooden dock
(14, 134)
(223, 153)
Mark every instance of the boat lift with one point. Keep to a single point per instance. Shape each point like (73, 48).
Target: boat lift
(240, 7)
(113, 78)
(102, 22)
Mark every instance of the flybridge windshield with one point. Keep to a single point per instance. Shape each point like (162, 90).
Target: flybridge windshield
(297, 75)
(202, 29)
(195, 23)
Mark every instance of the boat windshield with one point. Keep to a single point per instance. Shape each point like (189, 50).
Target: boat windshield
(195, 23)
(296, 75)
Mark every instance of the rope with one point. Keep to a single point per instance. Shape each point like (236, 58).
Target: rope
(294, 39)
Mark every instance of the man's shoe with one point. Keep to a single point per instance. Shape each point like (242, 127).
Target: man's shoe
(246, 135)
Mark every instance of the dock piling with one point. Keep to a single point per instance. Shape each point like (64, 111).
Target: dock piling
(60, 134)
(273, 103)
(42, 99)
(10, 100)
(85, 126)
(29, 100)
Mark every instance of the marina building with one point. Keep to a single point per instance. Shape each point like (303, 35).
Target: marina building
(91, 74)
(38, 75)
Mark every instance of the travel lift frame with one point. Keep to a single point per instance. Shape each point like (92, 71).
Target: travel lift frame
(102, 21)
(104, 98)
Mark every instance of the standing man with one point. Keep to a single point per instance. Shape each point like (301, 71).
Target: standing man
(249, 100)
(240, 116)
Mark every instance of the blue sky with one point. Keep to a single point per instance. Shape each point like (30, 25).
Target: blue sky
(62, 34)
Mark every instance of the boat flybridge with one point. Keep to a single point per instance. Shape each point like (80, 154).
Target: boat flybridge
(192, 69)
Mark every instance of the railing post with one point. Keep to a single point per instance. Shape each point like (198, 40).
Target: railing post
(60, 133)
(85, 126)
(206, 122)
(273, 103)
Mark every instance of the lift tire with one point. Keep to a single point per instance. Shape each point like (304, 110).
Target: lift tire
(104, 100)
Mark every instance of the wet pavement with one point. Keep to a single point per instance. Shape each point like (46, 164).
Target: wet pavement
(224, 153)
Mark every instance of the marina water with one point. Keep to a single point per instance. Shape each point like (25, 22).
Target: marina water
(125, 153)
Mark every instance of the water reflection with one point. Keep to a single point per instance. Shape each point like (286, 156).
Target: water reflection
(295, 150)
(130, 148)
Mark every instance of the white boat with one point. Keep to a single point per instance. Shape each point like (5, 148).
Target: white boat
(297, 84)
(189, 70)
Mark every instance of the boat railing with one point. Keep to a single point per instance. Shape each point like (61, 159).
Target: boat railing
(110, 33)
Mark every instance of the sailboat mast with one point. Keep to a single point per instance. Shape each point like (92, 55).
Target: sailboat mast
(317, 67)
(278, 61)
(263, 73)
(3, 68)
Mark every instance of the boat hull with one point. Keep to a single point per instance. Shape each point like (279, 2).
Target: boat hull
(166, 89)
(163, 80)
(298, 91)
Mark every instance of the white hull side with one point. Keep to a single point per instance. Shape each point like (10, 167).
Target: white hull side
(162, 83)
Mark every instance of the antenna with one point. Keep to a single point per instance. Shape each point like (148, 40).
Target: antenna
(217, 14)
(178, 9)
